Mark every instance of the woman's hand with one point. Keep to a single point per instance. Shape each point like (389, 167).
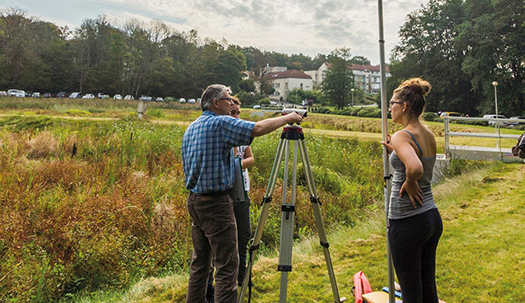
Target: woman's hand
(387, 144)
(413, 191)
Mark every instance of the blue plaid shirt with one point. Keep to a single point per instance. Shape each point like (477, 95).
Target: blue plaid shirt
(207, 154)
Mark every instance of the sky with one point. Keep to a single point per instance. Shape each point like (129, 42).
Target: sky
(309, 27)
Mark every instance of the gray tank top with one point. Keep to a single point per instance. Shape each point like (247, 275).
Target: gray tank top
(400, 207)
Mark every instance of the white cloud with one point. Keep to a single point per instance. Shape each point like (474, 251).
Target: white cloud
(290, 26)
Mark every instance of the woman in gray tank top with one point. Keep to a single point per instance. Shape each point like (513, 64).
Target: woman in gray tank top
(414, 223)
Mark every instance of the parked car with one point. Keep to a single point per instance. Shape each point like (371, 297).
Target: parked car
(75, 95)
(159, 99)
(257, 106)
(494, 117)
(12, 92)
(117, 97)
(182, 100)
(88, 96)
(20, 94)
(35, 95)
(450, 114)
(129, 97)
(3, 93)
(192, 101)
(145, 98)
(62, 95)
(516, 123)
(47, 95)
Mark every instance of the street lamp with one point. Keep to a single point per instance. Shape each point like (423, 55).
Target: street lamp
(495, 84)
(352, 90)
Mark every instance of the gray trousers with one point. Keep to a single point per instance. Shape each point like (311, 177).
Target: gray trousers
(214, 235)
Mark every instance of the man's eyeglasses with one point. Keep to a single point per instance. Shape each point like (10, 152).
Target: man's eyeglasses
(227, 99)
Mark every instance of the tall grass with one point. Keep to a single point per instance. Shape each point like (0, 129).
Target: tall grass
(103, 216)
(91, 205)
(102, 203)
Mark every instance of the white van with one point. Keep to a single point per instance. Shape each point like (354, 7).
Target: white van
(494, 117)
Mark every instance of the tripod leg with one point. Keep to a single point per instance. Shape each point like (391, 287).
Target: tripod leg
(287, 225)
(262, 219)
(318, 218)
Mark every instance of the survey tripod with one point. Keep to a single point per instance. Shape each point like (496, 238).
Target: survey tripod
(291, 133)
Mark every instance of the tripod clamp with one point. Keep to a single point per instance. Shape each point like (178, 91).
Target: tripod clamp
(292, 132)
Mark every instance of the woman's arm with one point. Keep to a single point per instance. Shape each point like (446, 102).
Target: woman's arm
(401, 142)
(248, 160)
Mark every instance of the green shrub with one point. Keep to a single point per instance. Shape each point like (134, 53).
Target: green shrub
(369, 112)
(430, 117)
(471, 122)
(264, 101)
(322, 110)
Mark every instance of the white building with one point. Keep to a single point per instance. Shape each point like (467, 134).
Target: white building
(366, 77)
(319, 74)
(286, 81)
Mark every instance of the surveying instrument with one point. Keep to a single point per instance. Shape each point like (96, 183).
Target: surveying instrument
(291, 133)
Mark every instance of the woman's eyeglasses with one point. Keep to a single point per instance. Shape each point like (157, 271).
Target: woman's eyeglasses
(395, 102)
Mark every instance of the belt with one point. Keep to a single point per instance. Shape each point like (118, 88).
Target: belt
(214, 193)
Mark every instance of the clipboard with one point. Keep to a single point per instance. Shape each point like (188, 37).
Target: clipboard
(238, 192)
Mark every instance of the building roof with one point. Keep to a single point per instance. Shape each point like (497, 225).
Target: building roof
(286, 74)
(368, 67)
(365, 67)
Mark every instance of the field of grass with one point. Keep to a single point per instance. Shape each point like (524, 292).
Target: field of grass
(480, 255)
(93, 201)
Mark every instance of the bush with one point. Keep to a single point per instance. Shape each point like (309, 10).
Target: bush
(264, 101)
(482, 123)
(430, 117)
(369, 112)
(321, 110)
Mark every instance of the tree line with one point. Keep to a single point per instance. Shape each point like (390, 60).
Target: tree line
(134, 58)
(460, 46)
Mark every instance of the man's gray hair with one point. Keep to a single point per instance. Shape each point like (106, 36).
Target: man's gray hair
(214, 91)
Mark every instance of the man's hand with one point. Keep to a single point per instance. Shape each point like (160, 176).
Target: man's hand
(266, 126)
(293, 118)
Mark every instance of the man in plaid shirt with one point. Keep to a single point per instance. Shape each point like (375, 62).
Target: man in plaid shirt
(208, 162)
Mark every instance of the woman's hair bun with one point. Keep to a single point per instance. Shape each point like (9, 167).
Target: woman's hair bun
(418, 85)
